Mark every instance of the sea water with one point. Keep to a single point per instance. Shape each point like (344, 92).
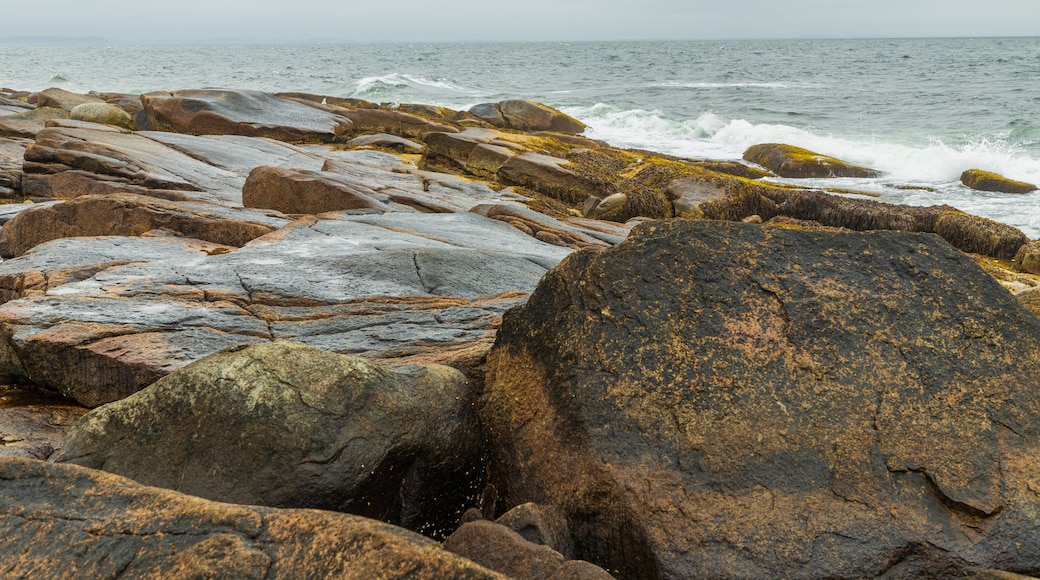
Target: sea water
(921, 110)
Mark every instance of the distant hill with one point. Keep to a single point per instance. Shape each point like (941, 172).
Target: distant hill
(54, 40)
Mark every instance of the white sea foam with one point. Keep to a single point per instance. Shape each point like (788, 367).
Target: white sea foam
(933, 164)
(393, 83)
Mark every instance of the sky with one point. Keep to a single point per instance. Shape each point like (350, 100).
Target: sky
(193, 21)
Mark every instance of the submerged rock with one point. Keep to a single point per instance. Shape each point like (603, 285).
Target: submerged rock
(796, 162)
(66, 521)
(987, 181)
(711, 399)
(288, 425)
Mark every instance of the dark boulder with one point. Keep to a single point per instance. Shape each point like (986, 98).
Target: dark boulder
(64, 521)
(980, 180)
(287, 425)
(724, 400)
(796, 162)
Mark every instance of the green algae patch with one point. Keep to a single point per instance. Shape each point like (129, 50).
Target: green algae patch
(796, 162)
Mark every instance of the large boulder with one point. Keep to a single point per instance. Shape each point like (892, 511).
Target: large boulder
(127, 214)
(796, 162)
(103, 113)
(298, 191)
(988, 181)
(61, 99)
(61, 521)
(287, 425)
(523, 115)
(240, 112)
(723, 400)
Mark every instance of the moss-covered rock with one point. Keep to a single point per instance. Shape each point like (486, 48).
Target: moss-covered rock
(104, 113)
(978, 235)
(796, 162)
(980, 180)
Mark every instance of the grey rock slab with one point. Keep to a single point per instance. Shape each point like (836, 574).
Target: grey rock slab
(241, 112)
(388, 285)
(69, 260)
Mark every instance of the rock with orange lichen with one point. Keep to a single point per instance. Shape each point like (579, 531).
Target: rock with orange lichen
(722, 400)
(62, 521)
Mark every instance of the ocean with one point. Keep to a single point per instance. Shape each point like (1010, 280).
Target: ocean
(921, 110)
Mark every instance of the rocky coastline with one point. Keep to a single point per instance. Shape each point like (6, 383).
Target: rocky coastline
(284, 335)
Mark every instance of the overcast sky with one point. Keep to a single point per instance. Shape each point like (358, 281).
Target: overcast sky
(467, 20)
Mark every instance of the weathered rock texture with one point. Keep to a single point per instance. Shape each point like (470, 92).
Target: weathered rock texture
(128, 214)
(1027, 259)
(32, 423)
(61, 521)
(527, 116)
(796, 162)
(288, 425)
(394, 285)
(239, 112)
(722, 400)
(989, 181)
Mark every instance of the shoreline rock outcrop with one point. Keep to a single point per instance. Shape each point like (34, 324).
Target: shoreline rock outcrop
(709, 399)
(789, 398)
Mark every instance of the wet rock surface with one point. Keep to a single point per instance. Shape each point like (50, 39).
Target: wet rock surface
(790, 161)
(766, 402)
(65, 520)
(988, 181)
